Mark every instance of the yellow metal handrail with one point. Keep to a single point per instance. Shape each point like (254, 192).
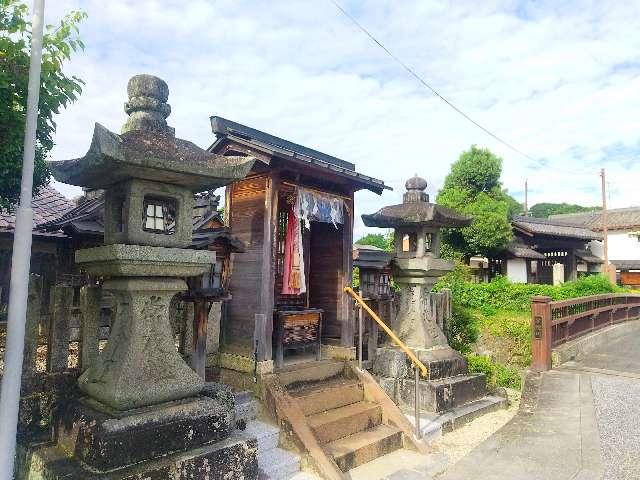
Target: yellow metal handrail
(415, 360)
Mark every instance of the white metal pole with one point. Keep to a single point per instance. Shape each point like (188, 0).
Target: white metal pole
(20, 262)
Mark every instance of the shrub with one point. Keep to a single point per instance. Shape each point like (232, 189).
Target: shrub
(462, 329)
(501, 294)
(498, 375)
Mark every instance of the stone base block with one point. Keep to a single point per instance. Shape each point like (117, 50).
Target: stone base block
(441, 362)
(233, 458)
(105, 440)
(338, 352)
(435, 396)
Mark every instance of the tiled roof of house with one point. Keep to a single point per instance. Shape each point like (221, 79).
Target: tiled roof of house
(617, 219)
(553, 227)
(47, 205)
(519, 250)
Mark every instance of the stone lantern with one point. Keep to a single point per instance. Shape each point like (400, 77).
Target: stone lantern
(144, 405)
(417, 265)
(421, 314)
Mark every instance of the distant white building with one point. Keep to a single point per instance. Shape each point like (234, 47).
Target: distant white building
(623, 238)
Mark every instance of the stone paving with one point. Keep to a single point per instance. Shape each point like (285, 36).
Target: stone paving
(583, 423)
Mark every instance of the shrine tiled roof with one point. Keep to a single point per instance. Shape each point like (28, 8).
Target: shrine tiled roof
(227, 129)
(617, 219)
(552, 227)
(47, 205)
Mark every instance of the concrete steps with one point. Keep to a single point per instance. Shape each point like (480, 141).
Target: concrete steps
(277, 464)
(349, 427)
(274, 463)
(344, 421)
(327, 395)
(295, 375)
(362, 447)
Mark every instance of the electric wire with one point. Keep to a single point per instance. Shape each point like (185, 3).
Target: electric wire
(425, 84)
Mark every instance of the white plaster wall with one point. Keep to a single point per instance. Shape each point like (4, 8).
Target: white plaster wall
(517, 270)
(622, 246)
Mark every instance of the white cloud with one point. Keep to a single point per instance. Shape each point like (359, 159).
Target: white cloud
(559, 82)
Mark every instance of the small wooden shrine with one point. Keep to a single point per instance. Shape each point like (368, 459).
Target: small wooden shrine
(294, 212)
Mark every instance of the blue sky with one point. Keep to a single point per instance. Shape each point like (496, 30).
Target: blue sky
(561, 83)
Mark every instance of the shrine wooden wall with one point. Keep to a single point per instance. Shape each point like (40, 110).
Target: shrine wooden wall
(326, 275)
(246, 219)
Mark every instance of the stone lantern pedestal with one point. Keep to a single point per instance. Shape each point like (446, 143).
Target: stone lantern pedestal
(142, 412)
(421, 316)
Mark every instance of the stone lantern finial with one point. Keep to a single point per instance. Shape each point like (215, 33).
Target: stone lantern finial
(415, 193)
(147, 106)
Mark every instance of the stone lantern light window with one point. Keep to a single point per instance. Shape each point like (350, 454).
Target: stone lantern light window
(159, 215)
(409, 242)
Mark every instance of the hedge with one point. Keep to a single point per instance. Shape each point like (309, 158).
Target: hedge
(502, 294)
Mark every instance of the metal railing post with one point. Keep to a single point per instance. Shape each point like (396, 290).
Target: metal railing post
(417, 401)
(360, 320)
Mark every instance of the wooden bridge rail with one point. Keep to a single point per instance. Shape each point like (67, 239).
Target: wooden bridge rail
(555, 323)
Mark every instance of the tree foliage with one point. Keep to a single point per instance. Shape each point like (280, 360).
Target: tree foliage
(57, 90)
(543, 210)
(385, 242)
(473, 187)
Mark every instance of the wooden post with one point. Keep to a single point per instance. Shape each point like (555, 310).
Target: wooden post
(541, 340)
(344, 302)
(90, 307)
(372, 341)
(199, 355)
(269, 245)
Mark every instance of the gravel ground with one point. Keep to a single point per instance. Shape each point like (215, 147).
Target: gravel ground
(460, 442)
(617, 405)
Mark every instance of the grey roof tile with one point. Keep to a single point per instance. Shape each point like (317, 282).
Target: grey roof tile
(617, 219)
(553, 227)
(47, 205)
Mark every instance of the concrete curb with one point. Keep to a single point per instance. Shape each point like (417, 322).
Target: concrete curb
(578, 348)
(530, 392)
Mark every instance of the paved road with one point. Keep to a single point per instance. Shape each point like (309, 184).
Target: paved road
(583, 423)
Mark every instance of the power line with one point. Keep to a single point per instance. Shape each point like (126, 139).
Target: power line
(425, 84)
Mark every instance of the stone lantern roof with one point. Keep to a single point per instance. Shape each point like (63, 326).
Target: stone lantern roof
(415, 210)
(148, 149)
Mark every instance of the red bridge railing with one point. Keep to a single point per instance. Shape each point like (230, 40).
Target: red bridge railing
(554, 323)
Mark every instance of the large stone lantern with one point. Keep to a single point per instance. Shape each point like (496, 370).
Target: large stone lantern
(142, 404)
(417, 264)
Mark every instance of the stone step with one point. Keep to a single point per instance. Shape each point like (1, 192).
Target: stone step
(433, 426)
(247, 406)
(293, 375)
(450, 392)
(328, 395)
(442, 364)
(279, 464)
(362, 447)
(435, 396)
(267, 436)
(344, 421)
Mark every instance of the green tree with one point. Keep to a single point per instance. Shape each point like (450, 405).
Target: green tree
(473, 187)
(544, 209)
(383, 241)
(56, 90)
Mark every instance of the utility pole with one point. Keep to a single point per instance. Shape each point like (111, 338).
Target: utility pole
(526, 197)
(605, 222)
(20, 261)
